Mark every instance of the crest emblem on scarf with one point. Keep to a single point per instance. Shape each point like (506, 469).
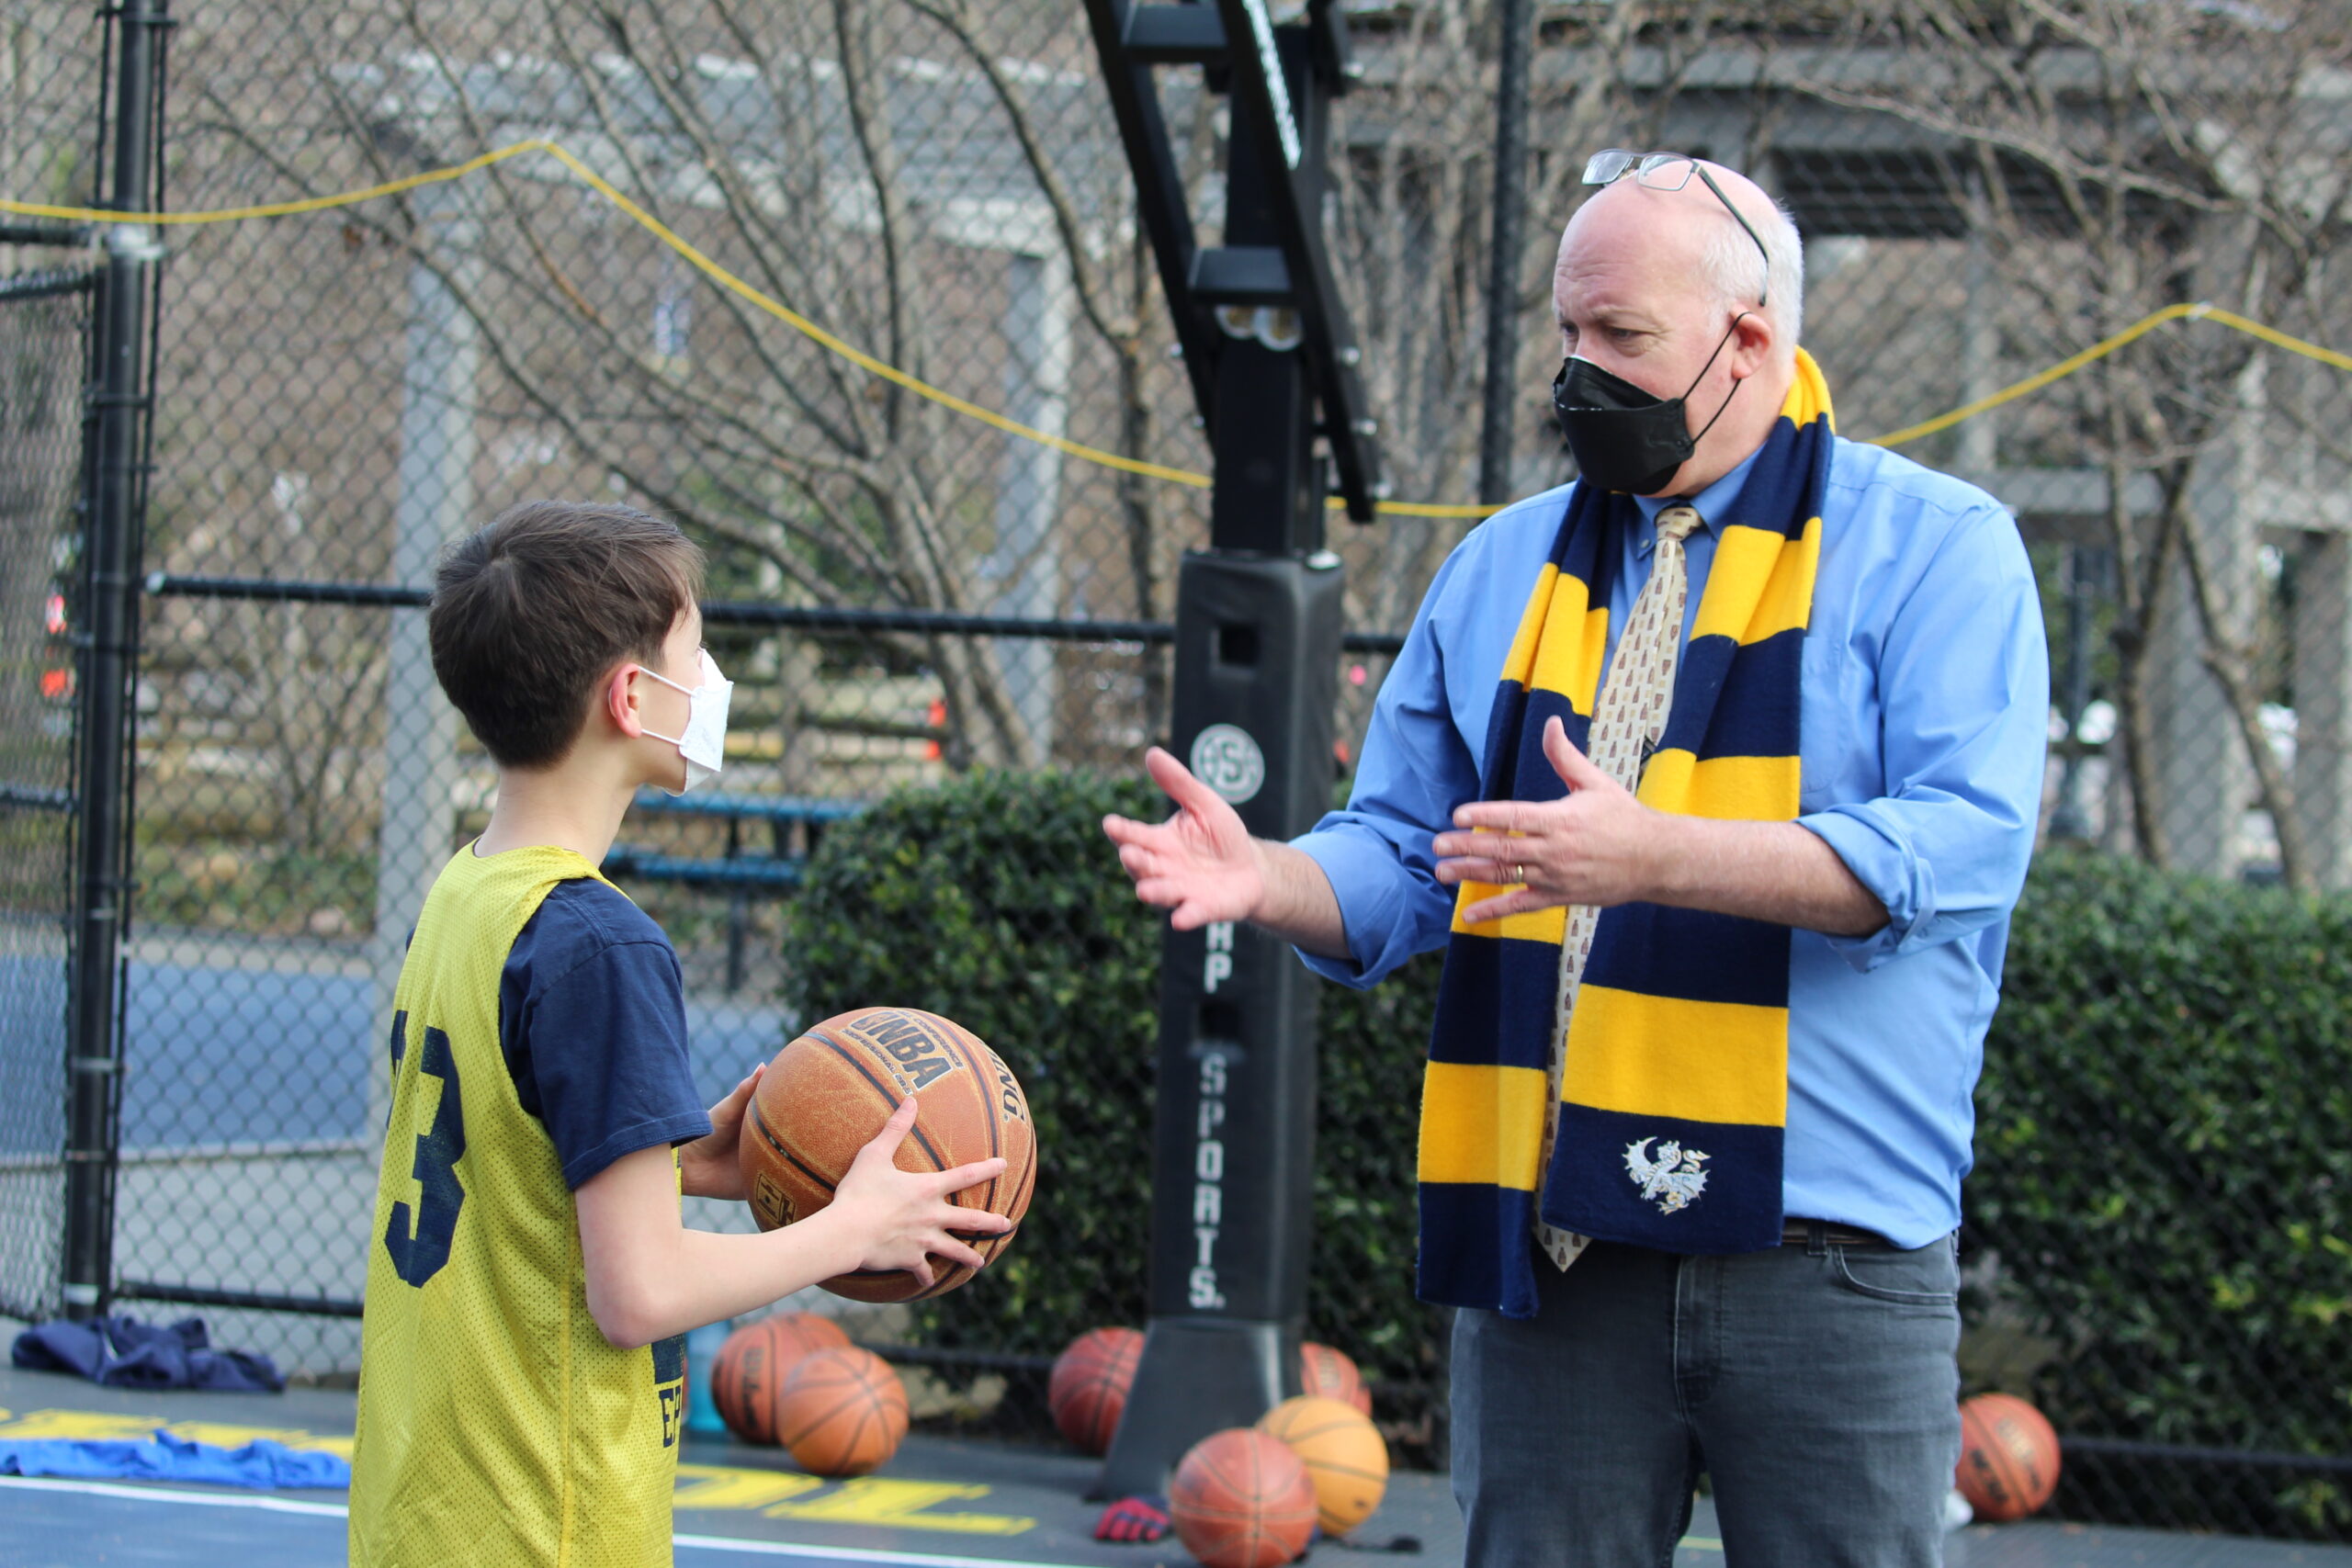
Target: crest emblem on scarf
(1673, 1180)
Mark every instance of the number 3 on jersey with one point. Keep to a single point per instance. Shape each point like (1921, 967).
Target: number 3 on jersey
(419, 1241)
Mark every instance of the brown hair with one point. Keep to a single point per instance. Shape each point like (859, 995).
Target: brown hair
(530, 614)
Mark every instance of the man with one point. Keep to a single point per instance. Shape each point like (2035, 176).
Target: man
(1716, 773)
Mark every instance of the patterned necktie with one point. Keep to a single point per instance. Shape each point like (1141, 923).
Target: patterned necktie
(1626, 724)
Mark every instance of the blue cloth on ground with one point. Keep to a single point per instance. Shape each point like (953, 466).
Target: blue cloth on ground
(264, 1462)
(122, 1352)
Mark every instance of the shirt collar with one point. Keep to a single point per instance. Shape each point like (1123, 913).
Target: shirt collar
(1713, 503)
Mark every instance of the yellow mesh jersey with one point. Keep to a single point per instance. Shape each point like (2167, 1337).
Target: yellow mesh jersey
(497, 1425)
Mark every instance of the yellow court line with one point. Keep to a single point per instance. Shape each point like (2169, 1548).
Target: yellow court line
(881, 1501)
(99, 1426)
(751, 295)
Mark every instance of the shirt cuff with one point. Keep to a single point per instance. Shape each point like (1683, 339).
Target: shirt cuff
(680, 1129)
(1364, 879)
(1885, 864)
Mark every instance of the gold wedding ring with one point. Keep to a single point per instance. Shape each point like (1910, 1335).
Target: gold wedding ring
(1519, 873)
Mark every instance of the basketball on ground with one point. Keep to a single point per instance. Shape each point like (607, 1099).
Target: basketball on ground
(1088, 1393)
(750, 1368)
(842, 1412)
(2008, 1457)
(828, 1093)
(1346, 1462)
(1329, 1372)
(1241, 1499)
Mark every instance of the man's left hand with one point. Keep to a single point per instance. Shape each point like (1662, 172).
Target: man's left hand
(1596, 845)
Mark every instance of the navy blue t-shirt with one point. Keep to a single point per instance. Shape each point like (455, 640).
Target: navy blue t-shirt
(592, 1017)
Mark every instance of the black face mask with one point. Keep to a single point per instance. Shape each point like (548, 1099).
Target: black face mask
(1623, 437)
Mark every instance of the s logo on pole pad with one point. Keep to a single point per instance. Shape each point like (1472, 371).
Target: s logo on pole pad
(1230, 762)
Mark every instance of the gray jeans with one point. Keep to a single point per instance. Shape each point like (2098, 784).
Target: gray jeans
(1816, 1386)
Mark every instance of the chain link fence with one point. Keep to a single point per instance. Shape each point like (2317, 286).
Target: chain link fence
(938, 184)
(41, 336)
(51, 75)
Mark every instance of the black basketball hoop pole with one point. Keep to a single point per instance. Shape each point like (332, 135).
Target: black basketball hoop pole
(117, 437)
(1268, 346)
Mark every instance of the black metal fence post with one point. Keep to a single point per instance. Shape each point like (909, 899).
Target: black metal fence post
(1516, 42)
(115, 495)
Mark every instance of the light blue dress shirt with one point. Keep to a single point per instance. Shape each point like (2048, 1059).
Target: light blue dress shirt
(1924, 724)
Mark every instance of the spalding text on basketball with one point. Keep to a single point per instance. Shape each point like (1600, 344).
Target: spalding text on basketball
(1008, 1090)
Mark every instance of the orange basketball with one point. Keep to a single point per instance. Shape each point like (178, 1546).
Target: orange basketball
(1088, 1393)
(1346, 1462)
(1329, 1372)
(842, 1412)
(752, 1366)
(2008, 1457)
(1241, 1499)
(827, 1094)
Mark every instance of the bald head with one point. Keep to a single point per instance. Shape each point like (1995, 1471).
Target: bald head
(1664, 290)
(1691, 236)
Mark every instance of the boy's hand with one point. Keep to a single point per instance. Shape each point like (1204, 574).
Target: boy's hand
(710, 1167)
(901, 1219)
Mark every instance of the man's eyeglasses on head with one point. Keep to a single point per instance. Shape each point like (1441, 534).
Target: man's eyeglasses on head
(1669, 171)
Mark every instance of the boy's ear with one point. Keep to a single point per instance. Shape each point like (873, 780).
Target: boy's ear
(620, 701)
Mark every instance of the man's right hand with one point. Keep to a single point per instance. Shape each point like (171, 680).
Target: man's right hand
(1201, 863)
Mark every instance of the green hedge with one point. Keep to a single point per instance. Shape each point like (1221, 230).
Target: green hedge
(2160, 1233)
(995, 900)
(2163, 1197)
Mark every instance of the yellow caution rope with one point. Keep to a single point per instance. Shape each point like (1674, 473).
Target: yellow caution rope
(891, 373)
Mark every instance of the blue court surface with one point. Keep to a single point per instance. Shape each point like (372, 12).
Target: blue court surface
(939, 1504)
(265, 1042)
(65, 1524)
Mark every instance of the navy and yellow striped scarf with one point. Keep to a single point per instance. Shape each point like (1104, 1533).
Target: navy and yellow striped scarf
(1675, 1090)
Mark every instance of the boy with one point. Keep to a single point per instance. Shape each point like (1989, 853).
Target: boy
(529, 1276)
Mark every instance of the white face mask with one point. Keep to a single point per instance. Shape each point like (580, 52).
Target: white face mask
(703, 742)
